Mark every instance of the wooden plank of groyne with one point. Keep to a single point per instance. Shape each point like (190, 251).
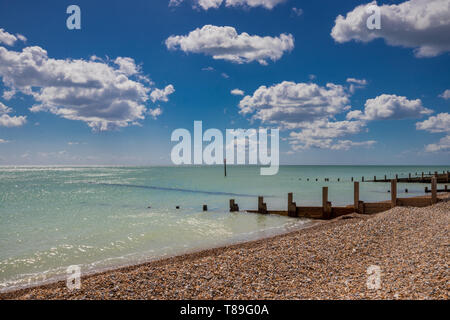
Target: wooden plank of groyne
(433, 190)
(326, 205)
(340, 211)
(376, 207)
(310, 212)
(393, 193)
(414, 202)
(292, 206)
(356, 196)
(262, 207)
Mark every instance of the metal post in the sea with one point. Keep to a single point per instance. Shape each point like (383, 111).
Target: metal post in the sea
(225, 166)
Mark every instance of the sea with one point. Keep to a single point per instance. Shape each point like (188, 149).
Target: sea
(99, 218)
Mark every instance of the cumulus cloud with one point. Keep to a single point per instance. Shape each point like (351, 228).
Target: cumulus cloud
(445, 95)
(127, 66)
(435, 124)
(214, 4)
(10, 121)
(420, 24)
(291, 104)
(10, 39)
(224, 43)
(3, 141)
(155, 113)
(105, 96)
(390, 106)
(237, 92)
(162, 95)
(442, 145)
(322, 134)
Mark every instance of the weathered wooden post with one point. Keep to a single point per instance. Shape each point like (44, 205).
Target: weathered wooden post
(396, 177)
(426, 189)
(393, 193)
(326, 205)
(445, 188)
(356, 196)
(262, 207)
(362, 179)
(433, 190)
(375, 178)
(205, 207)
(292, 206)
(233, 206)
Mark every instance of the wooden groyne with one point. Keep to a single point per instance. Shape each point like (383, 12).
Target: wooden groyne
(411, 178)
(422, 178)
(328, 211)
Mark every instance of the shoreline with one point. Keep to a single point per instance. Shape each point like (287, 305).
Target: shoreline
(62, 278)
(143, 280)
(188, 254)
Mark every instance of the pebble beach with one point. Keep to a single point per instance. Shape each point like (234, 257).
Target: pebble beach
(330, 260)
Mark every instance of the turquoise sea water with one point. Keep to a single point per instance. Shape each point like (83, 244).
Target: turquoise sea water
(99, 217)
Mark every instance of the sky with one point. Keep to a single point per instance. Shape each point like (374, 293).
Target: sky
(112, 92)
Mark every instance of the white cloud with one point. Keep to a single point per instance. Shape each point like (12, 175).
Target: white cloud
(361, 82)
(162, 95)
(297, 11)
(442, 145)
(214, 4)
(3, 141)
(356, 84)
(268, 4)
(237, 92)
(102, 95)
(435, 124)
(208, 69)
(224, 43)
(445, 95)
(10, 121)
(420, 24)
(387, 106)
(127, 66)
(322, 134)
(4, 109)
(224, 75)
(208, 4)
(10, 39)
(175, 3)
(292, 105)
(155, 113)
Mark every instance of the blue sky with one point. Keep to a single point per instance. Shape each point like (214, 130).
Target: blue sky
(390, 73)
